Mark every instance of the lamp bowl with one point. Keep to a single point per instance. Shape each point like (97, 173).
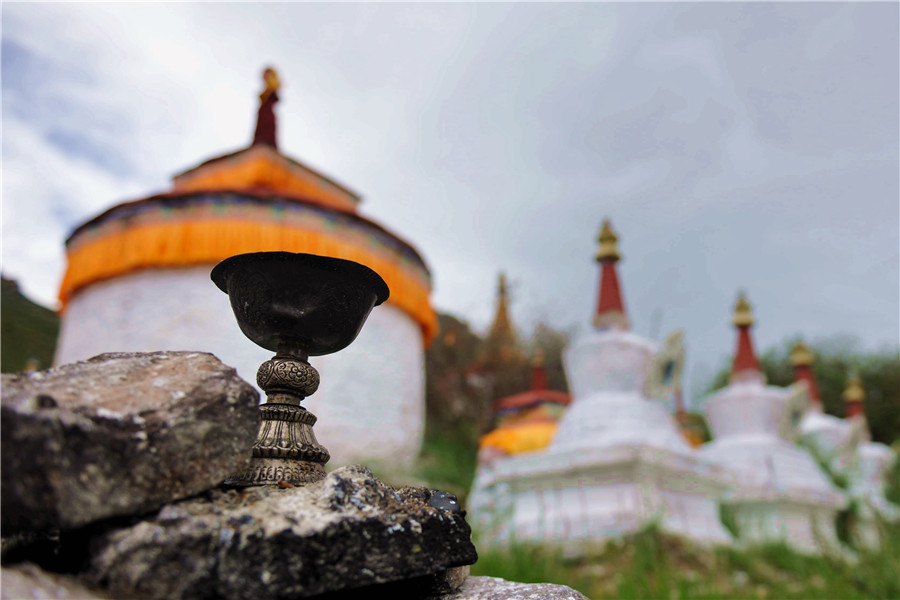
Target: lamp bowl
(299, 304)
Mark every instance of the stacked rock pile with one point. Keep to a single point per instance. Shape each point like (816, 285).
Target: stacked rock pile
(112, 473)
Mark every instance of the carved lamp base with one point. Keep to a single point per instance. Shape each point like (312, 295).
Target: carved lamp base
(286, 448)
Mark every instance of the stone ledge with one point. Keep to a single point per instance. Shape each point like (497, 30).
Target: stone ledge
(119, 434)
(347, 531)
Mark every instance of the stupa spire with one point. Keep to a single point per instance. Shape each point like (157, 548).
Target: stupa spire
(745, 366)
(501, 340)
(265, 119)
(802, 360)
(610, 308)
(854, 394)
(501, 328)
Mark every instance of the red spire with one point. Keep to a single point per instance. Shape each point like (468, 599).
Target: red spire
(610, 308)
(854, 395)
(802, 360)
(265, 118)
(538, 371)
(745, 366)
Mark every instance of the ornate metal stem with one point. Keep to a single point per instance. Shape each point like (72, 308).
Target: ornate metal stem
(286, 448)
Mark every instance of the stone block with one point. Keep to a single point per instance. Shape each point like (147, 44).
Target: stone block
(119, 434)
(27, 581)
(493, 588)
(346, 532)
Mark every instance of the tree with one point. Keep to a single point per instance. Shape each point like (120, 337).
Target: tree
(29, 331)
(464, 378)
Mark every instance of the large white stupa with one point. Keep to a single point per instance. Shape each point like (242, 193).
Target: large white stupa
(779, 493)
(617, 462)
(138, 280)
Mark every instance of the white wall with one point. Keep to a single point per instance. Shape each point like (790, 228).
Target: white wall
(371, 402)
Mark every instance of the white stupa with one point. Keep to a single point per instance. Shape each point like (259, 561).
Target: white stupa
(617, 462)
(866, 472)
(832, 440)
(779, 493)
(138, 280)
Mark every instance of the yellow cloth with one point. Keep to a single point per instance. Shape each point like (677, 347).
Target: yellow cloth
(207, 241)
(522, 437)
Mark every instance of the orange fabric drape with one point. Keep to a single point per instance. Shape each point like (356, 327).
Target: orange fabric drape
(522, 437)
(183, 243)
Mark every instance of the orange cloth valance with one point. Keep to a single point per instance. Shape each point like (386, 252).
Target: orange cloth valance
(521, 437)
(190, 242)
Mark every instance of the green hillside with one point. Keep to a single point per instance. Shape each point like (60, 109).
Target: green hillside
(27, 330)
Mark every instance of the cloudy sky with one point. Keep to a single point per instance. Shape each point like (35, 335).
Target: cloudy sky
(734, 146)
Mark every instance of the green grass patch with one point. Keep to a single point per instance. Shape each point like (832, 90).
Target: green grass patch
(447, 460)
(652, 565)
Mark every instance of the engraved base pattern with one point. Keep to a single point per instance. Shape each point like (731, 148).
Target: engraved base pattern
(288, 435)
(271, 471)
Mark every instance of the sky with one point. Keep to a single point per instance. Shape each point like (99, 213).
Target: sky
(733, 146)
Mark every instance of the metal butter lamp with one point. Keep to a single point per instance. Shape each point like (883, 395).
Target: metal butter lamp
(296, 305)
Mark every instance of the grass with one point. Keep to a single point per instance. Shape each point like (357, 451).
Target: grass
(651, 564)
(530, 564)
(447, 460)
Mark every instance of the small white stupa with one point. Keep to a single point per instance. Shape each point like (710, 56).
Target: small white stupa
(617, 462)
(866, 473)
(779, 492)
(832, 440)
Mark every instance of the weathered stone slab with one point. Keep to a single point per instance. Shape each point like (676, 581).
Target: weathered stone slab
(120, 434)
(493, 588)
(345, 532)
(27, 581)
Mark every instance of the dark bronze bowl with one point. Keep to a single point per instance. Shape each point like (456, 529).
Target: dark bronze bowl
(299, 304)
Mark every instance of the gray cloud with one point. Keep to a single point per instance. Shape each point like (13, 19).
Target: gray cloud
(733, 145)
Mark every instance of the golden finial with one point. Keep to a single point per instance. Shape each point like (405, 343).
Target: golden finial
(270, 78)
(743, 312)
(538, 359)
(501, 285)
(608, 243)
(854, 392)
(801, 355)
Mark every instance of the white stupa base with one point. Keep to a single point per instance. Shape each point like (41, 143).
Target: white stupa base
(779, 494)
(803, 526)
(867, 490)
(577, 499)
(370, 404)
(874, 512)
